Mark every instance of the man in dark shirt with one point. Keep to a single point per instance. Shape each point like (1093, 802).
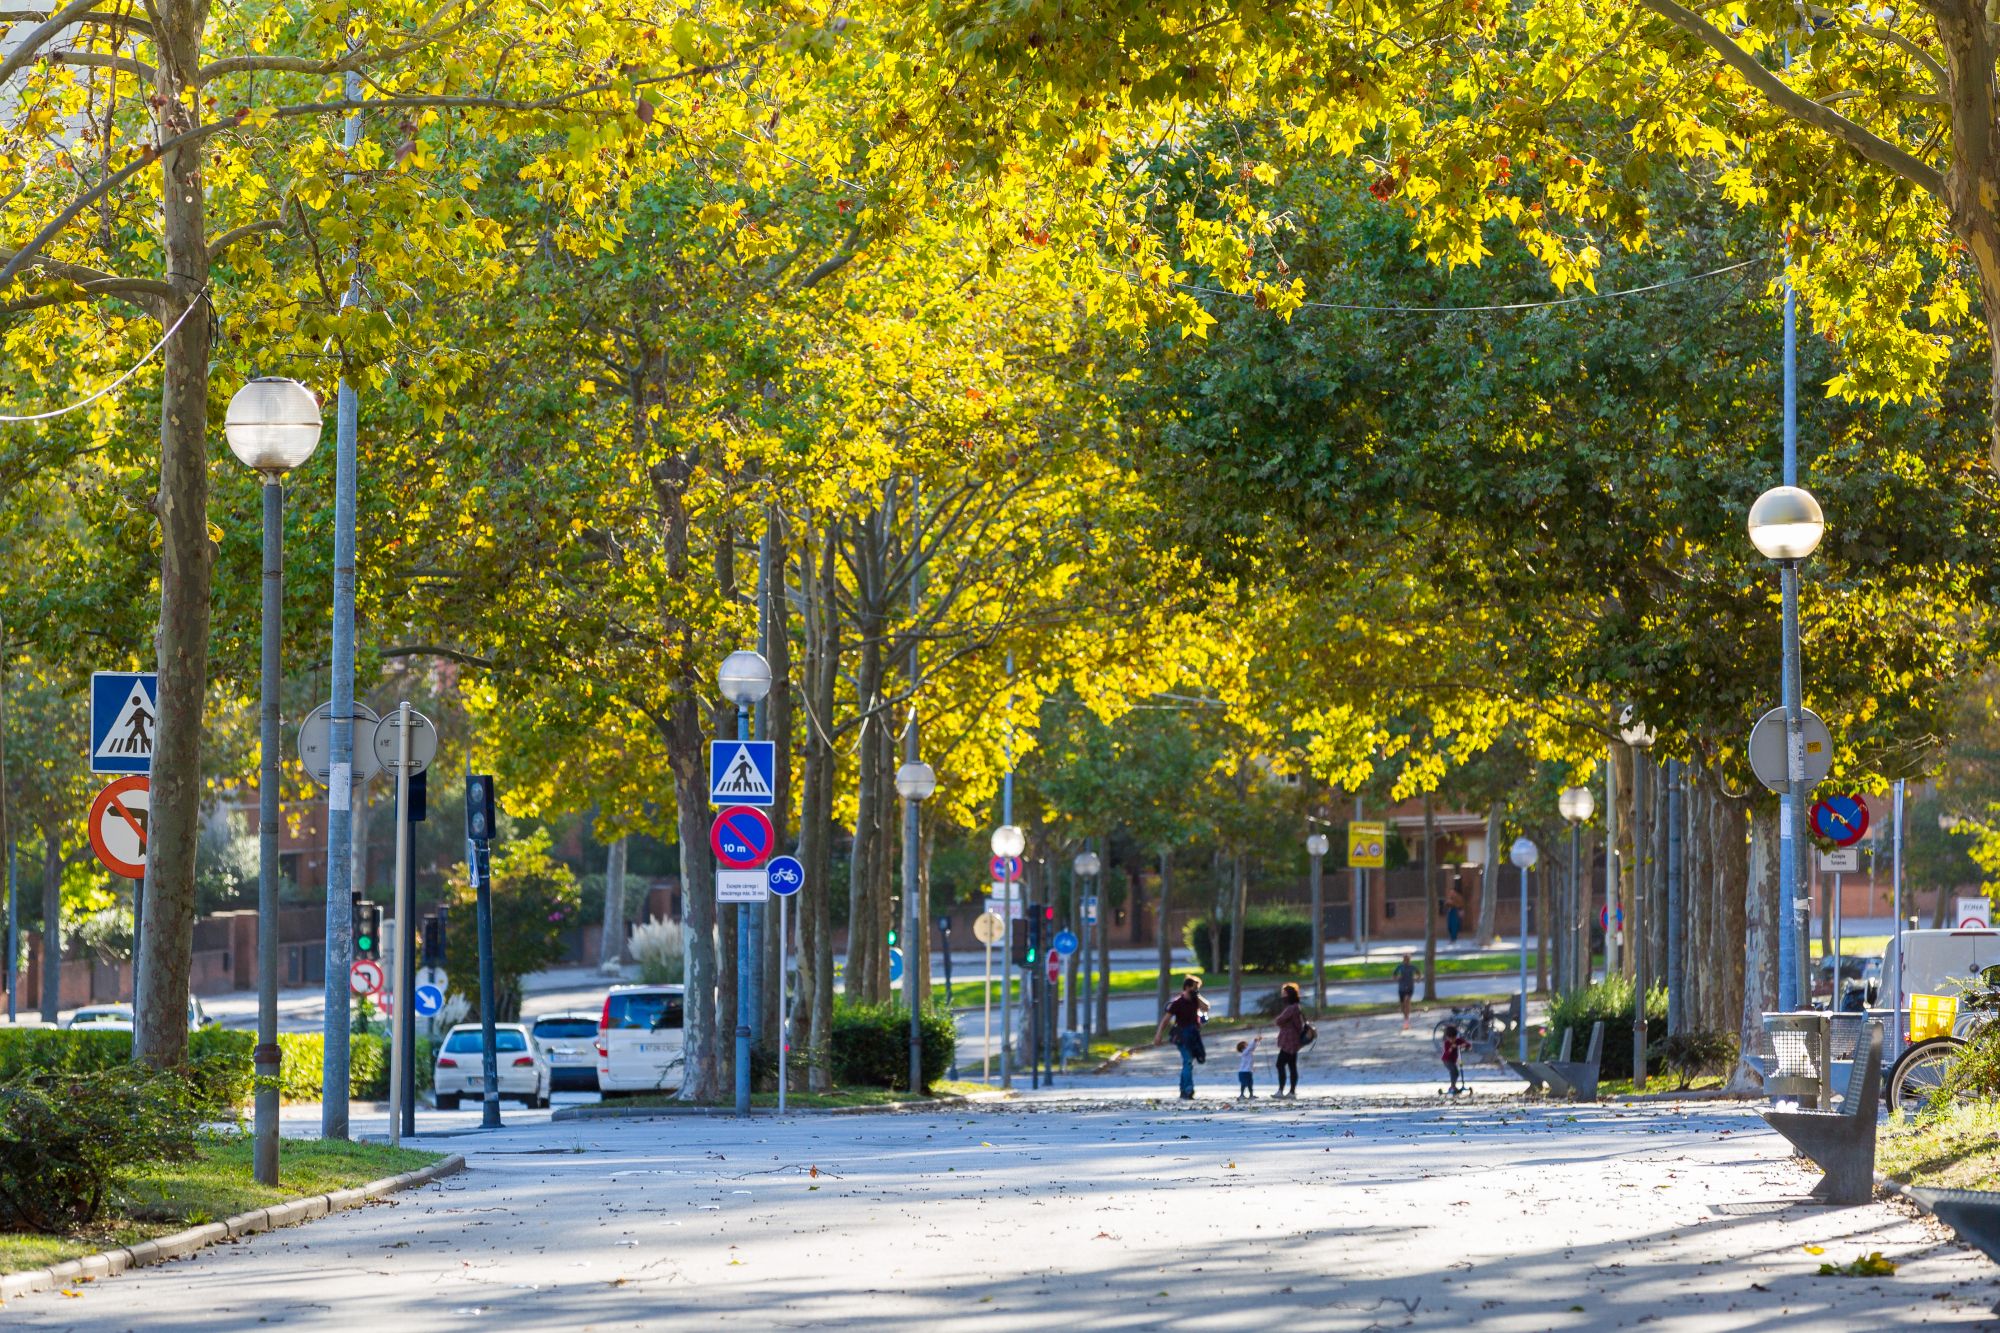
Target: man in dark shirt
(1406, 987)
(1185, 1015)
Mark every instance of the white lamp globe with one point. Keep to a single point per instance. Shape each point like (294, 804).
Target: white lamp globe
(1786, 523)
(1317, 844)
(1577, 804)
(272, 425)
(915, 781)
(1087, 864)
(1008, 841)
(745, 677)
(1524, 853)
(1633, 728)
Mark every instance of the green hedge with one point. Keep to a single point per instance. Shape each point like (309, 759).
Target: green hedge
(871, 1045)
(1275, 939)
(219, 1060)
(1610, 1001)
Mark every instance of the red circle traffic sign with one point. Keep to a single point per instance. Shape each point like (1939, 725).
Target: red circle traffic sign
(365, 977)
(741, 837)
(118, 820)
(1005, 869)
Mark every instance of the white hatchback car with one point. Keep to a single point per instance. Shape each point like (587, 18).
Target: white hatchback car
(641, 1042)
(119, 1016)
(568, 1042)
(523, 1070)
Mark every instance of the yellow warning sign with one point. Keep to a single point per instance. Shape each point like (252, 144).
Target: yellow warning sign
(1367, 844)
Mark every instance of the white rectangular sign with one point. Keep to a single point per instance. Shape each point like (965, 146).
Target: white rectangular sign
(1844, 861)
(741, 886)
(1973, 914)
(1000, 907)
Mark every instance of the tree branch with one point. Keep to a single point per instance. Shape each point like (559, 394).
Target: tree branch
(21, 56)
(139, 69)
(437, 650)
(89, 291)
(235, 234)
(1863, 141)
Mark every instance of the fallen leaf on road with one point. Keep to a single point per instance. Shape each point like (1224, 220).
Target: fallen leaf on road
(1814, 1249)
(1870, 1265)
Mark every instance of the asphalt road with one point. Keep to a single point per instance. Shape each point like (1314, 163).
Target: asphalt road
(1132, 1216)
(1368, 1204)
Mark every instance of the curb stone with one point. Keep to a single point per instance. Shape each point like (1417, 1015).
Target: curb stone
(110, 1263)
(613, 1112)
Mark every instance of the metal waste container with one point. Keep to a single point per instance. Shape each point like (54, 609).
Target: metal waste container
(1801, 1058)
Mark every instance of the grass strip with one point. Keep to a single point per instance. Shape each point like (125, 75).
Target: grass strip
(161, 1199)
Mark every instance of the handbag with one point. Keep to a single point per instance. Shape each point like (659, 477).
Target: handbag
(1307, 1036)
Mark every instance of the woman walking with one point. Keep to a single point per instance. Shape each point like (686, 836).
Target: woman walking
(1185, 1015)
(1291, 1036)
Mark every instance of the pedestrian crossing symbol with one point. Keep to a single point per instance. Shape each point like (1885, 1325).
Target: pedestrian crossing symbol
(741, 772)
(124, 719)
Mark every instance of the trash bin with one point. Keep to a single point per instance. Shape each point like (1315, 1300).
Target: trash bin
(1932, 1016)
(1800, 1055)
(1072, 1046)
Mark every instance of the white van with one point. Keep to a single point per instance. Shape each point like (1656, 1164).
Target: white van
(1937, 962)
(641, 1039)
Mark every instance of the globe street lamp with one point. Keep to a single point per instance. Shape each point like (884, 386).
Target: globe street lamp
(1316, 847)
(1577, 804)
(272, 427)
(1087, 865)
(1786, 526)
(745, 678)
(1524, 854)
(915, 781)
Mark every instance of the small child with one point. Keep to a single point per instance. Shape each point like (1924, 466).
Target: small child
(1453, 1044)
(1246, 1068)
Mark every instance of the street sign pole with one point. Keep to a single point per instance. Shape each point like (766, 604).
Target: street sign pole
(1007, 986)
(784, 994)
(13, 940)
(408, 942)
(399, 1090)
(986, 1017)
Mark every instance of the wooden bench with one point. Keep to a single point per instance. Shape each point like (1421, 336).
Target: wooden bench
(1842, 1143)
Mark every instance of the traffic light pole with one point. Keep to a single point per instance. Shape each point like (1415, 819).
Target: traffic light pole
(408, 940)
(399, 1008)
(479, 814)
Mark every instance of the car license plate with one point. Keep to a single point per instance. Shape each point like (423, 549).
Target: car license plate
(655, 1050)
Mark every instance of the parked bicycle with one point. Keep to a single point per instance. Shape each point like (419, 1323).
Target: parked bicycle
(1476, 1023)
(1924, 1067)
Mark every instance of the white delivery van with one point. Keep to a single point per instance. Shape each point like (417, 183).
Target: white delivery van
(641, 1039)
(1935, 962)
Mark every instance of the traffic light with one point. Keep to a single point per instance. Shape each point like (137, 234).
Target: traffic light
(479, 807)
(367, 928)
(892, 937)
(433, 942)
(1019, 949)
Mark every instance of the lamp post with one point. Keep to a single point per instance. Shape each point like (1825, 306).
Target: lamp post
(1577, 805)
(915, 781)
(273, 426)
(1007, 841)
(1786, 526)
(745, 678)
(1087, 865)
(1316, 847)
(1635, 733)
(1524, 854)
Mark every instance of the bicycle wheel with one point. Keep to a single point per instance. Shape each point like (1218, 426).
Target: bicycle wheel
(1921, 1071)
(1437, 1034)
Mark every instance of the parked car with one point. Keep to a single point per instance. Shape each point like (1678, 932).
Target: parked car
(523, 1071)
(569, 1042)
(1859, 976)
(119, 1016)
(641, 1044)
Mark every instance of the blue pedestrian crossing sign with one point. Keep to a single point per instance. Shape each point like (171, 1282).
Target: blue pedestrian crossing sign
(1065, 942)
(742, 772)
(895, 964)
(124, 718)
(429, 999)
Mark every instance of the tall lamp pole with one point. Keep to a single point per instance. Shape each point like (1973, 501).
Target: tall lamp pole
(915, 781)
(1087, 866)
(273, 426)
(1635, 733)
(1524, 854)
(1316, 847)
(1577, 805)
(1786, 525)
(1008, 841)
(745, 679)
